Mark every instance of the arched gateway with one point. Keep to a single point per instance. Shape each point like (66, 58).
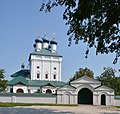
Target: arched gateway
(85, 96)
(85, 90)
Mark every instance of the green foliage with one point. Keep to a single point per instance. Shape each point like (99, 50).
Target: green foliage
(82, 72)
(2, 74)
(109, 79)
(95, 22)
(3, 83)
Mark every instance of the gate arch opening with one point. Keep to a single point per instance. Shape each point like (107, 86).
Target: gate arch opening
(85, 96)
(103, 99)
(20, 91)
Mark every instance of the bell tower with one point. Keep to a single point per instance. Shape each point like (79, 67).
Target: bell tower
(45, 62)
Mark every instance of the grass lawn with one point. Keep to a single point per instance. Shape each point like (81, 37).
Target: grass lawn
(32, 104)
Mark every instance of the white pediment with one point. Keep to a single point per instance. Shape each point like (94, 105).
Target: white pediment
(67, 87)
(103, 87)
(48, 87)
(86, 79)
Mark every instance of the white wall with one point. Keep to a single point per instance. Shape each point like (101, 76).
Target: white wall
(29, 98)
(66, 98)
(53, 89)
(94, 85)
(34, 89)
(117, 101)
(36, 100)
(24, 88)
(46, 66)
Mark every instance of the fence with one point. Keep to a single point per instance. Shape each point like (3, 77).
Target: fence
(37, 98)
(117, 100)
(28, 98)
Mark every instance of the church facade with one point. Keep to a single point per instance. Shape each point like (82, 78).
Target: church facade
(44, 77)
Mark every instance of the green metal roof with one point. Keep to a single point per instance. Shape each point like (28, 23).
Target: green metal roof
(17, 80)
(21, 76)
(46, 52)
(24, 73)
(23, 80)
(43, 83)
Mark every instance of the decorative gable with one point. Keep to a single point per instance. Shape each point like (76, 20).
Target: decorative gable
(86, 79)
(48, 84)
(18, 80)
(67, 87)
(104, 88)
(19, 84)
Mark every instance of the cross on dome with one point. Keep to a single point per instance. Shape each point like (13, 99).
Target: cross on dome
(38, 35)
(54, 36)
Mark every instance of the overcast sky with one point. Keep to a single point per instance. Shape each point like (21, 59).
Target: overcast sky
(21, 21)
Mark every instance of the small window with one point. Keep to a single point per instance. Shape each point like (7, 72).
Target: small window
(38, 67)
(46, 76)
(54, 76)
(38, 75)
(55, 68)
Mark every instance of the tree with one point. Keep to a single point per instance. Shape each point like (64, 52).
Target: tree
(82, 72)
(95, 22)
(3, 83)
(109, 79)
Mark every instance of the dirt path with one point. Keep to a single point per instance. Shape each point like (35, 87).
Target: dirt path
(81, 109)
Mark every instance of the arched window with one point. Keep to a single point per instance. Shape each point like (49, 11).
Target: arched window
(54, 76)
(55, 68)
(20, 91)
(48, 91)
(38, 67)
(46, 76)
(38, 75)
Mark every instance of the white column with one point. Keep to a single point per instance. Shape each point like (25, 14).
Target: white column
(50, 69)
(42, 70)
(59, 78)
(32, 70)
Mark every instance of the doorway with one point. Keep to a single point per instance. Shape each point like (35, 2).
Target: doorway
(85, 96)
(103, 99)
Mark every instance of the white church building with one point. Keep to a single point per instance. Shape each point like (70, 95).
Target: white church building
(44, 77)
